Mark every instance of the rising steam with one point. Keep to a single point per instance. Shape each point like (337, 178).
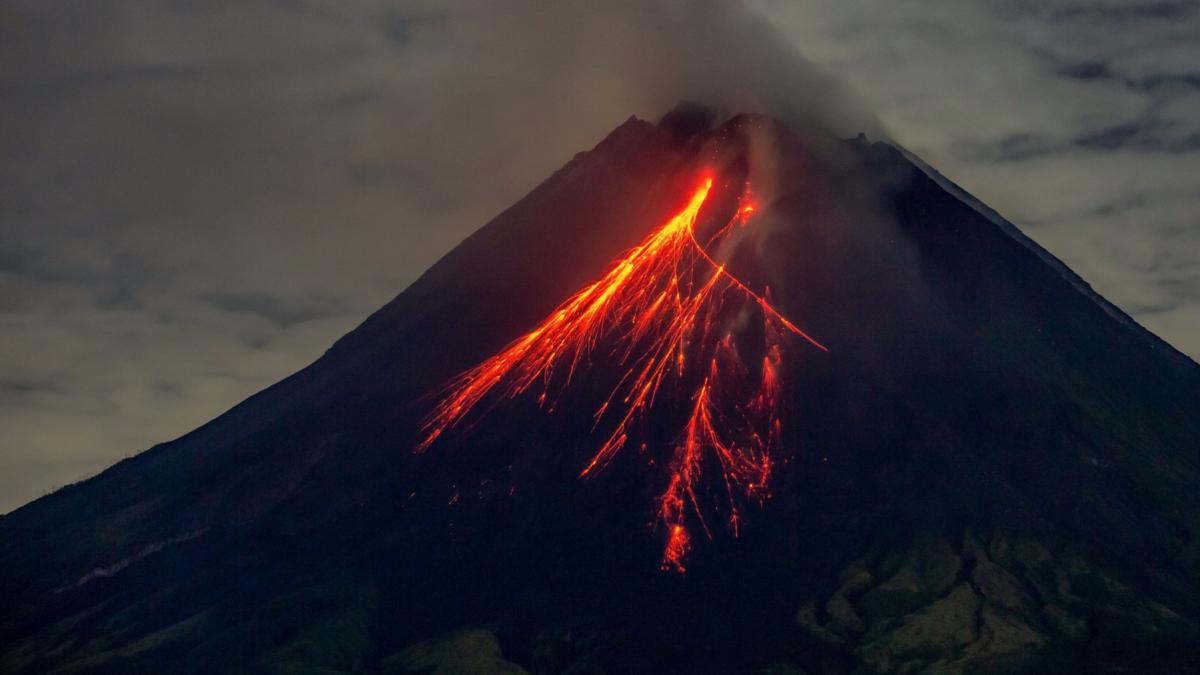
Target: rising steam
(514, 88)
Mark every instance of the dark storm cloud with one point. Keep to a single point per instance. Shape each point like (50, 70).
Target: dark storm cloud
(197, 197)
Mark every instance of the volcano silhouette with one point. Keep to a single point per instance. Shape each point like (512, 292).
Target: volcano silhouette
(987, 468)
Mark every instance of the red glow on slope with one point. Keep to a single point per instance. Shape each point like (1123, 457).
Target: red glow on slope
(668, 307)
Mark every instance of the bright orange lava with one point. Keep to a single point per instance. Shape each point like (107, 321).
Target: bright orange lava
(674, 313)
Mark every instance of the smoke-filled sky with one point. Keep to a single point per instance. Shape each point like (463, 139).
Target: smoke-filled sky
(197, 197)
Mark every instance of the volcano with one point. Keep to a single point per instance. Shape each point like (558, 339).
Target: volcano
(713, 398)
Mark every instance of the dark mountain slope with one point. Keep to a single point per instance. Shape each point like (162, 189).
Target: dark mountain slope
(990, 470)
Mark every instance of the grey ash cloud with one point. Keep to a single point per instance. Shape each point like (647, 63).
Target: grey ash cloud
(197, 198)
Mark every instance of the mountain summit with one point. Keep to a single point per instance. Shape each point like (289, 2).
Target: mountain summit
(713, 398)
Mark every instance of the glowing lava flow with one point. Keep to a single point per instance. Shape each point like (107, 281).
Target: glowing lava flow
(669, 312)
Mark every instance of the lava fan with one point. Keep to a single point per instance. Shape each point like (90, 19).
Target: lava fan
(693, 342)
(1005, 476)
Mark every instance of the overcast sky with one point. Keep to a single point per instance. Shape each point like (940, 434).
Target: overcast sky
(197, 197)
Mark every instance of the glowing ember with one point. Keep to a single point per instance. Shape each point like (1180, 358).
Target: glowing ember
(670, 313)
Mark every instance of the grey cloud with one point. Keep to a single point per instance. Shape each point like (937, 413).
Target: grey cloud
(283, 312)
(1124, 11)
(77, 84)
(1110, 138)
(401, 28)
(1087, 70)
(1014, 147)
(26, 387)
(1150, 137)
(1157, 81)
(1102, 71)
(1092, 11)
